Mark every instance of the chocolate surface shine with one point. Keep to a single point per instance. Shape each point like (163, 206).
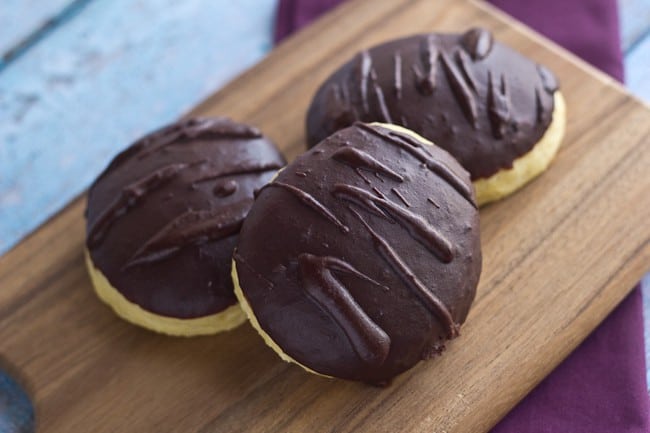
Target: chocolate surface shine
(362, 257)
(484, 103)
(164, 216)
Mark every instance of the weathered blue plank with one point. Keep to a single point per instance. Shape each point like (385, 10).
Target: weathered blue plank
(635, 39)
(635, 21)
(21, 18)
(637, 69)
(116, 71)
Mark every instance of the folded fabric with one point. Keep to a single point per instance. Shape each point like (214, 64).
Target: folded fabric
(601, 386)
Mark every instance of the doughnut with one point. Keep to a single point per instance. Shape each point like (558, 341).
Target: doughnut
(361, 257)
(164, 217)
(501, 115)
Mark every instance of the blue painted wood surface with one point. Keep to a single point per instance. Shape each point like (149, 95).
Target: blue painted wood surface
(635, 21)
(635, 41)
(637, 68)
(117, 70)
(96, 74)
(20, 19)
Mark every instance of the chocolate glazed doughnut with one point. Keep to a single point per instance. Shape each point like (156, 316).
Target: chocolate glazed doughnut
(483, 102)
(361, 257)
(163, 220)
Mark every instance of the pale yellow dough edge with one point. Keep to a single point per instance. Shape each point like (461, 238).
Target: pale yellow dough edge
(243, 302)
(525, 168)
(230, 318)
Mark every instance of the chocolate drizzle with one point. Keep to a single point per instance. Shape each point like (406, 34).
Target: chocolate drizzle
(478, 42)
(319, 281)
(310, 202)
(192, 228)
(164, 216)
(429, 55)
(129, 197)
(498, 107)
(464, 96)
(430, 300)
(371, 302)
(356, 158)
(549, 82)
(401, 197)
(439, 85)
(415, 148)
(379, 94)
(397, 74)
(417, 227)
(195, 129)
(465, 66)
(244, 168)
(365, 63)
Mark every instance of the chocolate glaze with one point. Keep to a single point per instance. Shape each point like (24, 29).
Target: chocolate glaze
(319, 281)
(369, 301)
(164, 216)
(481, 101)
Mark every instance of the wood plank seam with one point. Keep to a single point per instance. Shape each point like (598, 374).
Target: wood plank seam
(40, 33)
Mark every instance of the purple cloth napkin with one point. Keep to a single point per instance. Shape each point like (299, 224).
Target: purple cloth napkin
(601, 386)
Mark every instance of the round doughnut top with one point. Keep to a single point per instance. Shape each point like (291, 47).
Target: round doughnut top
(483, 102)
(164, 217)
(362, 256)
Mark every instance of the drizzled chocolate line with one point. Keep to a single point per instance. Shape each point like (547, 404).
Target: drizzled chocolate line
(463, 94)
(379, 193)
(192, 228)
(365, 64)
(369, 341)
(246, 168)
(362, 176)
(549, 82)
(431, 301)
(478, 42)
(311, 202)
(129, 197)
(498, 106)
(464, 63)
(417, 227)
(197, 129)
(357, 158)
(397, 74)
(539, 106)
(379, 94)
(401, 197)
(429, 57)
(415, 148)
(549, 85)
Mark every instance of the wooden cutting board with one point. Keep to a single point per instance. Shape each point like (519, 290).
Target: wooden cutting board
(558, 257)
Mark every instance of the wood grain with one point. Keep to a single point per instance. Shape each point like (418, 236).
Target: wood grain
(558, 256)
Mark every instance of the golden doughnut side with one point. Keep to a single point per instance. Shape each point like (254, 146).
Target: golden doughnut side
(230, 318)
(243, 302)
(528, 166)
